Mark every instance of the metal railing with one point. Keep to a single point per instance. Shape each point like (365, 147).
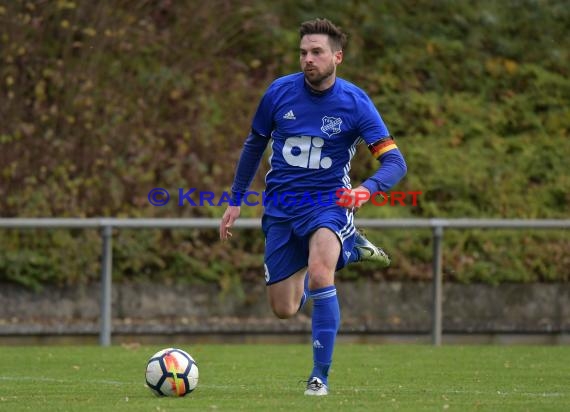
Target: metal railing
(106, 225)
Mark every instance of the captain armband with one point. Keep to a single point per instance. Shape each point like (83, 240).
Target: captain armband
(382, 146)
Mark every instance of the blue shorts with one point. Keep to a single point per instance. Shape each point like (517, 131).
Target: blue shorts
(287, 240)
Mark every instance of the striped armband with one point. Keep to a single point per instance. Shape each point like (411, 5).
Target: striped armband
(382, 146)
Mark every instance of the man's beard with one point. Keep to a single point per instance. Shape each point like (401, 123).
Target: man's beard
(317, 79)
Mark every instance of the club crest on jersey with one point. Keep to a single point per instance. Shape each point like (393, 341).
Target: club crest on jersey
(331, 125)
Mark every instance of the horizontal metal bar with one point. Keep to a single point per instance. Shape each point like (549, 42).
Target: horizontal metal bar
(96, 223)
(466, 223)
(198, 223)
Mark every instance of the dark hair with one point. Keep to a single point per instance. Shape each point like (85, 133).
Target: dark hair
(337, 38)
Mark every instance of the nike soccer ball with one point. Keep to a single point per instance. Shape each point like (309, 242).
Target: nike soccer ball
(171, 372)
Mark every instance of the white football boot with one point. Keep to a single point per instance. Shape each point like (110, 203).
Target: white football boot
(316, 387)
(368, 251)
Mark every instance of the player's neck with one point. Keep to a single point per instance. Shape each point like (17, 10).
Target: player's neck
(322, 89)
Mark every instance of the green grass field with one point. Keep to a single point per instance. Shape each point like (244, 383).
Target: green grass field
(267, 378)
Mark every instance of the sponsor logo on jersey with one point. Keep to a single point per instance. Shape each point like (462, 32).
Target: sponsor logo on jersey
(305, 151)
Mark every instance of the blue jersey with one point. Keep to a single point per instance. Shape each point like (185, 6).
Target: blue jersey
(314, 137)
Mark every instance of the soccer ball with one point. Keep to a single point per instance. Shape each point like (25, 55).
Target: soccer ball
(171, 372)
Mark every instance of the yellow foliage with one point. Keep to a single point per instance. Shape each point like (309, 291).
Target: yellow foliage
(40, 91)
(90, 31)
(511, 66)
(63, 5)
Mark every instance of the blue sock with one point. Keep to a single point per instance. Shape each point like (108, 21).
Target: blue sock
(354, 253)
(305, 293)
(326, 321)
(354, 256)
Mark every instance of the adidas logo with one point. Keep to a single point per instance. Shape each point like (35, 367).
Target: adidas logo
(317, 344)
(289, 115)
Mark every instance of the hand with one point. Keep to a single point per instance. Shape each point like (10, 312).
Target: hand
(353, 199)
(230, 216)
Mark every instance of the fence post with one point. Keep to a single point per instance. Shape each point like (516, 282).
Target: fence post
(106, 279)
(437, 286)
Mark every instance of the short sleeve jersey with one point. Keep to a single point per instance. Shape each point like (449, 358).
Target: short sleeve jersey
(313, 139)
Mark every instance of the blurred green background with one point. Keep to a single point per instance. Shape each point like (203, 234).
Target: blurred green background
(102, 101)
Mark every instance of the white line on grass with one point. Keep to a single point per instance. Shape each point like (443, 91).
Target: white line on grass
(344, 390)
(54, 380)
(503, 393)
(93, 381)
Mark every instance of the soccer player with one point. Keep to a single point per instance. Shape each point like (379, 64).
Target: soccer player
(314, 121)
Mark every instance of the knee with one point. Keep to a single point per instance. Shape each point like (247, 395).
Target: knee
(320, 276)
(284, 310)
